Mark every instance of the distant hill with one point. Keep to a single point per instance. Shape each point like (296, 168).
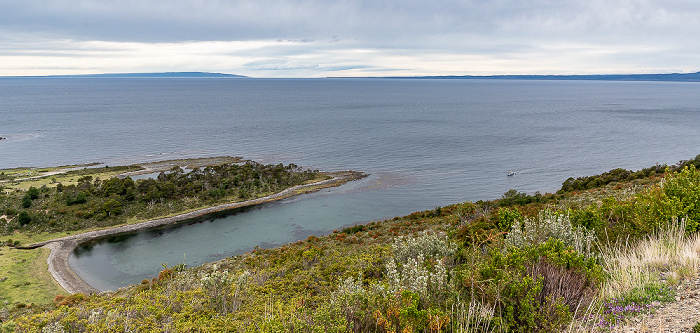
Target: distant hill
(150, 75)
(688, 77)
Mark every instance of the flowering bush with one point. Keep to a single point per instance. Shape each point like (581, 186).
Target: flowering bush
(551, 225)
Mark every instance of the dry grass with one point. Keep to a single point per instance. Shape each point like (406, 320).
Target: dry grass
(472, 317)
(665, 255)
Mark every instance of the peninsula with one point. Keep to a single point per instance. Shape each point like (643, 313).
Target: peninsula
(62, 247)
(70, 205)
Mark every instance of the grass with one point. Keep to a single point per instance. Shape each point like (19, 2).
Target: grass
(27, 278)
(641, 275)
(665, 256)
(70, 178)
(26, 239)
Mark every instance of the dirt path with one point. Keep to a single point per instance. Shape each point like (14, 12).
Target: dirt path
(676, 317)
(62, 247)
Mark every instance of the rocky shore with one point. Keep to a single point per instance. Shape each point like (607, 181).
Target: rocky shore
(62, 247)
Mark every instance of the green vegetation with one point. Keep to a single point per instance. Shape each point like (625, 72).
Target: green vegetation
(90, 202)
(578, 260)
(24, 278)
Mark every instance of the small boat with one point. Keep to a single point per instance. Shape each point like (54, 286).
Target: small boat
(511, 173)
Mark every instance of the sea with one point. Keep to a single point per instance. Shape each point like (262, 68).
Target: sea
(425, 143)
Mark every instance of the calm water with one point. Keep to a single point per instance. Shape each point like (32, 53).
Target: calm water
(426, 143)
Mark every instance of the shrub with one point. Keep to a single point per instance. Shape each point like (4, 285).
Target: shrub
(26, 201)
(588, 218)
(537, 287)
(678, 197)
(80, 198)
(23, 218)
(507, 218)
(684, 187)
(551, 225)
(33, 192)
(72, 300)
(429, 244)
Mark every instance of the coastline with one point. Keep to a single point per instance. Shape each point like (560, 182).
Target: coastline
(62, 247)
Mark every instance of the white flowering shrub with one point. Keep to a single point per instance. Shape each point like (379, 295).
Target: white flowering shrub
(429, 245)
(224, 289)
(551, 225)
(418, 265)
(53, 328)
(350, 286)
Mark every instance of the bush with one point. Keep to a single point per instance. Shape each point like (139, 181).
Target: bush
(678, 197)
(536, 288)
(26, 201)
(24, 218)
(80, 198)
(33, 193)
(551, 225)
(507, 217)
(429, 245)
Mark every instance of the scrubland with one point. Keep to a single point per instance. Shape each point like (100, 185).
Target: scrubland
(586, 258)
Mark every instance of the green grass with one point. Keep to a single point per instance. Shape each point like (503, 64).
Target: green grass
(28, 280)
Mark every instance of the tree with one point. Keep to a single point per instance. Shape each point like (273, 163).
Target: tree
(112, 207)
(33, 193)
(81, 198)
(24, 218)
(26, 201)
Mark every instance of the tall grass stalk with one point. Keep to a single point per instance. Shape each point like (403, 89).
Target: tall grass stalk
(585, 319)
(472, 317)
(666, 253)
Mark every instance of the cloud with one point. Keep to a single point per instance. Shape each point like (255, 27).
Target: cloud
(350, 37)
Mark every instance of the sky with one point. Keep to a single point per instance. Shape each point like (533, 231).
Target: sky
(322, 38)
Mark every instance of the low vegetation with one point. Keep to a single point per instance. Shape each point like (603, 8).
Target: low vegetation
(579, 260)
(91, 202)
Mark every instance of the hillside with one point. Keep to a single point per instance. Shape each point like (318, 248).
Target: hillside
(587, 258)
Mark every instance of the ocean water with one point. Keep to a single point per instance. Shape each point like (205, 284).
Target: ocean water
(425, 143)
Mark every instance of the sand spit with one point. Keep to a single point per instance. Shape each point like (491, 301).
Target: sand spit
(62, 247)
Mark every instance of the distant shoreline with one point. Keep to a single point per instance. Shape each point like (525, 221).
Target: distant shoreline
(61, 248)
(670, 77)
(165, 75)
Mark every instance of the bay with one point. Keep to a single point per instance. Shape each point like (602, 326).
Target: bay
(425, 143)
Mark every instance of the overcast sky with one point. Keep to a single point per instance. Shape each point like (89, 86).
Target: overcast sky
(319, 38)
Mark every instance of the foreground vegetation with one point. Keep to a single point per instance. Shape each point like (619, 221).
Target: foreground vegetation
(582, 259)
